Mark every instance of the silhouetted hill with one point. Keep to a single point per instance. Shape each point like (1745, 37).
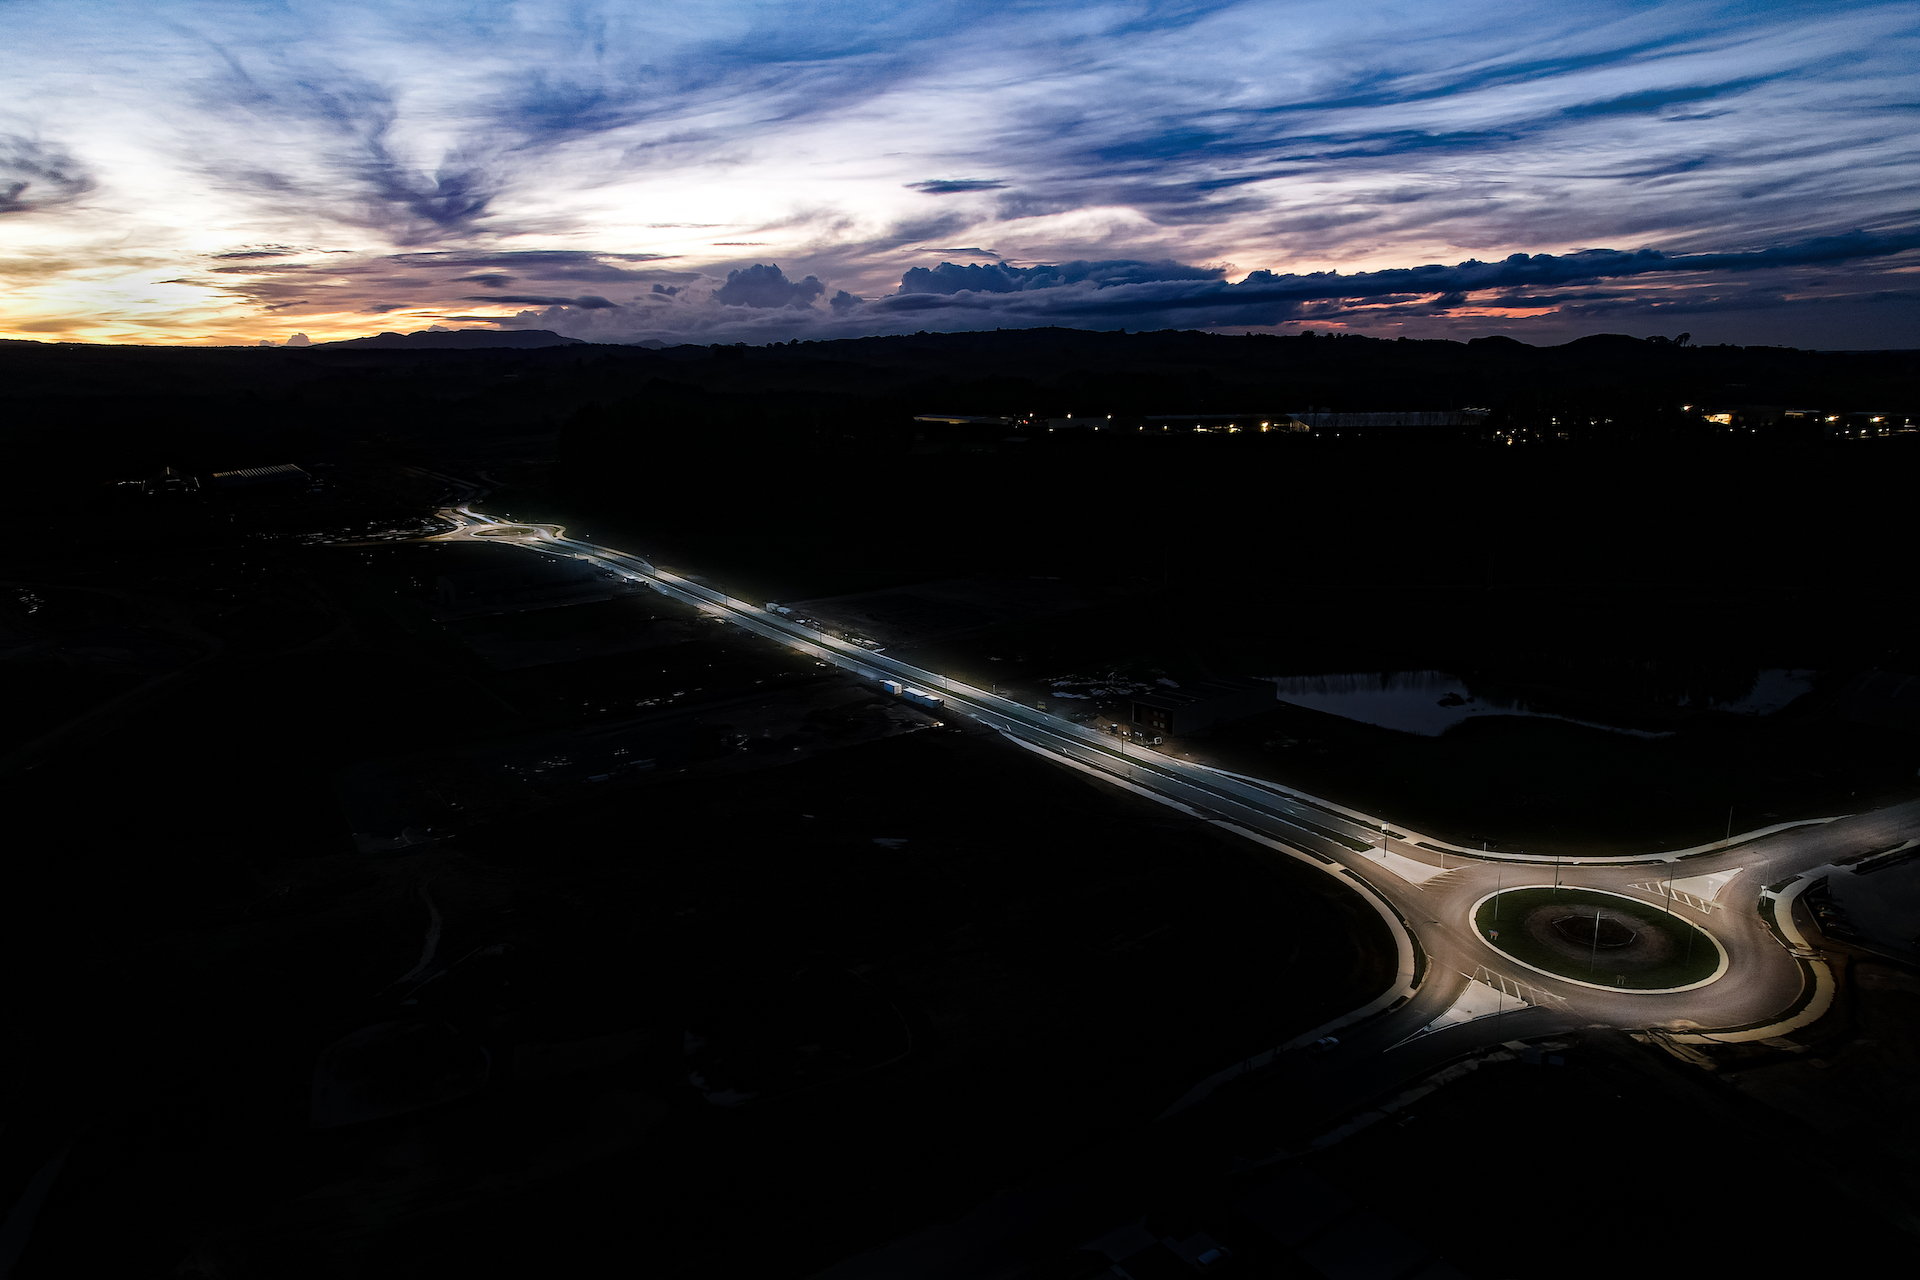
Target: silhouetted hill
(458, 340)
(77, 413)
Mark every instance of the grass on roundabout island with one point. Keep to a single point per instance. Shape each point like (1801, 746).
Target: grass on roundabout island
(1694, 957)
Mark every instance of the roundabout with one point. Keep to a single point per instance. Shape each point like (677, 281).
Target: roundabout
(1599, 939)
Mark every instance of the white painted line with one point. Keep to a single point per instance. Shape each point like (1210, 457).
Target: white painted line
(1406, 868)
(1823, 984)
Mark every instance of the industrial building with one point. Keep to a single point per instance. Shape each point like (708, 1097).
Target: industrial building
(1187, 708)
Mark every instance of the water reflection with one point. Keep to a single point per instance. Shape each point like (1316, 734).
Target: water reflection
(1423, 702)
(1432, 702)
(1772, 690)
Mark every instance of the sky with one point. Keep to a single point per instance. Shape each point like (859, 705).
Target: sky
(182, 172)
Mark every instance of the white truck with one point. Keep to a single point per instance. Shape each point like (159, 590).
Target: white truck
(919, 697)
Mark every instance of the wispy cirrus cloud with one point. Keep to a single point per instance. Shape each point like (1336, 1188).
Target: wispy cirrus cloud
(956, 186)
(535, 156)
(35, 176)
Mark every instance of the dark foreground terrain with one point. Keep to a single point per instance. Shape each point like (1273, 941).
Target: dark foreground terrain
(302, 858)
(353, 930)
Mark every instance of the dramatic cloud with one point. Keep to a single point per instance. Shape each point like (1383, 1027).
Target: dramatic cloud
(954, 186)
(33, 176)
(765, 286)
(998, 277)
(587, 302)
(1115, 290)
(211, 169)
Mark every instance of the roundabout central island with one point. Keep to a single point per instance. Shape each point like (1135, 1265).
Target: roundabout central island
(1599, 939)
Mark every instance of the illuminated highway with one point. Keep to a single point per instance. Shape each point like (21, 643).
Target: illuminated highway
(1424, 889)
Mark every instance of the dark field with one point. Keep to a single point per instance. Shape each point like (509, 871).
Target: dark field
(1056, 961)
(1612, 1144)
(1031, 962)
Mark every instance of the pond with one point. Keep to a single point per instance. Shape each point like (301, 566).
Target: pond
(1772, 690)
(1431, 702)
(1423, 702)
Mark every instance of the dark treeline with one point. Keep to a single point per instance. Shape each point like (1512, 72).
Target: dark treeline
(841, 476)
(106, 408)
(800, 464)
(693, 471)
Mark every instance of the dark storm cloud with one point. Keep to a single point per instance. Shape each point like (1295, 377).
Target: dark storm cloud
(34, 176)
(576, 75)
(1108, 292)
(586, 302)
(259, 268)
(1435, 101)
(998, 277)
(1655, 100)
(542, 278)
(792, 62)
(765, 285)
(544, 264)
(361, 179)
(955, 186)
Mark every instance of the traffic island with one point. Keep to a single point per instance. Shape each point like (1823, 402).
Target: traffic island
(1599, 939)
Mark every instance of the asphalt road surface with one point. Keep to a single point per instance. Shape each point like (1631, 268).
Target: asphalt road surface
(1423, 887)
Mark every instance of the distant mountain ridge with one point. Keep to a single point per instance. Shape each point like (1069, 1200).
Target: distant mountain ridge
(459, 339)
